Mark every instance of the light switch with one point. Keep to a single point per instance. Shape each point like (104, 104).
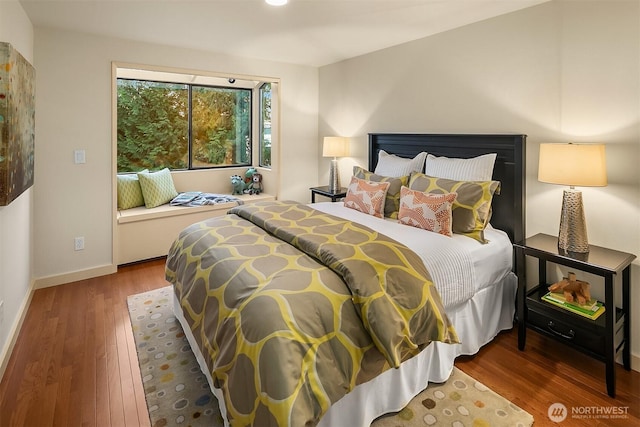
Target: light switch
(79, 156)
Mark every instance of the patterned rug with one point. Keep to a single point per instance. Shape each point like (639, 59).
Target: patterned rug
(178, 394)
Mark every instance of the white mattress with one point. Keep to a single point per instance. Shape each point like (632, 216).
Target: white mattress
(478, 318)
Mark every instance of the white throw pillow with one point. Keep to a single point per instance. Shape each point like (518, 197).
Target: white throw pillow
(394, 166)
(474, 169)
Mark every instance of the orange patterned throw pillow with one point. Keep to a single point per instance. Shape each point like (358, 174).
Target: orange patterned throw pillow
(425, 210)
(366, 196)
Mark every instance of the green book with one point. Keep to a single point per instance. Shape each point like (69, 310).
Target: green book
(592, 310)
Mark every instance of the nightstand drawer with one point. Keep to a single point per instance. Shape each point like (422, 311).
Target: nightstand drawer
(566, 327)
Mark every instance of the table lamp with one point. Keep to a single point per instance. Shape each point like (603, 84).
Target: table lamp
(582, 165)
(335, 146)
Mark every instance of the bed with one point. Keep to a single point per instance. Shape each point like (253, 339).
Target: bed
(408, 335)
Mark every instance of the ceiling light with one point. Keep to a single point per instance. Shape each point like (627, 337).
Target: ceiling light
(276, 2)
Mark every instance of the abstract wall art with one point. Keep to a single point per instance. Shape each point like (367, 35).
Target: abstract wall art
(17, 123)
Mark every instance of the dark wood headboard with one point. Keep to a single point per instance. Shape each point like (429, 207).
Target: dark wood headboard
(509, 169)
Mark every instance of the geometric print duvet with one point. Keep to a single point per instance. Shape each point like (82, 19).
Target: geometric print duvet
(292, 308)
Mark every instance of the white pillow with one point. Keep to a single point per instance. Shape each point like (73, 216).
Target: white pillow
(394, 166)
(474, 169)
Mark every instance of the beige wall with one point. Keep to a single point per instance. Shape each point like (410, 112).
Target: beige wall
(16, 219)
(563, 71)
(74, 112)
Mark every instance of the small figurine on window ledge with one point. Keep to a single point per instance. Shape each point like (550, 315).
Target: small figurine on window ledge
(255, 187)
(238, 184)
(572, 289)
(248, 175)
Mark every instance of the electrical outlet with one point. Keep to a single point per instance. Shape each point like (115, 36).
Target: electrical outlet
(79, 243)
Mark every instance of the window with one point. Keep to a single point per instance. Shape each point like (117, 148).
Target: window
(182, 121)
(265, 125)
(153, 125)
(220, 127)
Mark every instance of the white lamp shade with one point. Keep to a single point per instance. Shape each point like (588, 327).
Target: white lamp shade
(335, 146)
(582, 165)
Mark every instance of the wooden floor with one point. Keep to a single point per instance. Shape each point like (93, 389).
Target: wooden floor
(75, 364)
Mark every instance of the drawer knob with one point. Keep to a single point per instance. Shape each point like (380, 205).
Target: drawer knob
(571, 335)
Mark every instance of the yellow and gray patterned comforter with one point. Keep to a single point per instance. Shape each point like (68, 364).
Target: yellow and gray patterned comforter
(292, 308)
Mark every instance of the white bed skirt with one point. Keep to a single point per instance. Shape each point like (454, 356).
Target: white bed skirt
(477, 322)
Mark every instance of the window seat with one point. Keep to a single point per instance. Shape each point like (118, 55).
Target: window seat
(148, 233)
(143, 214)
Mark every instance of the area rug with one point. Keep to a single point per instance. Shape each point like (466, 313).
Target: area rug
(178, 394)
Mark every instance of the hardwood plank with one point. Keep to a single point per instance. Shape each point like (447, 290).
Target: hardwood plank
(77, 340)
(61, 416)
(17, 414)
(57, 362)
(71, 401)
(47, 404)
(141, 403)
(116, 405)
(102, 383)
(89, 395)
(44, 409)
(126, 378)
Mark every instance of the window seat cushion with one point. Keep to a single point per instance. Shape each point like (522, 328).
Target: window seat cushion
(143, 214)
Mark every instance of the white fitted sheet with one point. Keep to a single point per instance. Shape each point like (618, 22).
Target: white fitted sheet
(459, 265)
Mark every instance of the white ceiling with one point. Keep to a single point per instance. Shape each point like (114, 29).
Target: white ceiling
(307, 32)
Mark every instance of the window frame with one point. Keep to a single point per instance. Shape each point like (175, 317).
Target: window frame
(250, 147)
(262, 126)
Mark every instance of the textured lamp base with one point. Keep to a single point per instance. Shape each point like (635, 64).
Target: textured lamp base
(334, 177)
(573, 228)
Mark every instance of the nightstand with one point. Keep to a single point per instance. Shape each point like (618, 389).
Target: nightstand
(603, 338)
(324, 191)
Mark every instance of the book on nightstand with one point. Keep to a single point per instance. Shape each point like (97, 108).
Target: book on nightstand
(591, 310)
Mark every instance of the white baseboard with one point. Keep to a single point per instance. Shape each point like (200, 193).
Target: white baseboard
(635, 362)
(74, 276)
(15, 330)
